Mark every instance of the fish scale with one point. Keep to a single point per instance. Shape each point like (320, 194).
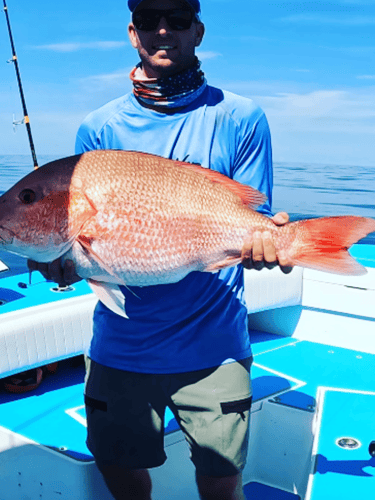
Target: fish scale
(156, 228)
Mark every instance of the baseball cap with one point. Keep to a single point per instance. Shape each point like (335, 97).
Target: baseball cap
(133, 4)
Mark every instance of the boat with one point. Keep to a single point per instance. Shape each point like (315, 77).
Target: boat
(312, 435)
(313, 377)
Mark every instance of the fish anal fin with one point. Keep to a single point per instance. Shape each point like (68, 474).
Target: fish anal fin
(248, 195)
(229, 261)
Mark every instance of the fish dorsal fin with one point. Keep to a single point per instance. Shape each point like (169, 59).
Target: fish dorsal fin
(248, 195)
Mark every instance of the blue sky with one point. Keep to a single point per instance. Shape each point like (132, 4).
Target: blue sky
(309, 64)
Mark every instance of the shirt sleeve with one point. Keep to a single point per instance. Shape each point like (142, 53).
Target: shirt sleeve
(85, 140)
(253, 162)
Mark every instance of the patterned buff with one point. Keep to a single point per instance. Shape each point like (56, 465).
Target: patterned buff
(174, 91)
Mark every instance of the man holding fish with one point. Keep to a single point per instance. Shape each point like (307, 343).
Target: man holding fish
(185, 345)
(158, 237)
(178, 334)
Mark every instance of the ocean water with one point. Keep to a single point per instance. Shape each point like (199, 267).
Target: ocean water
(302, 190)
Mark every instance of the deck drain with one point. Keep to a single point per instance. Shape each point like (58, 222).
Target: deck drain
(3, 302)
(348, 443)
(62, 289)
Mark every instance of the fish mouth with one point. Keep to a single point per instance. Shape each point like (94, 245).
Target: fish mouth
(6, 236)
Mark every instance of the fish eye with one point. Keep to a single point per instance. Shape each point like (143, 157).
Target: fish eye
(27, 196)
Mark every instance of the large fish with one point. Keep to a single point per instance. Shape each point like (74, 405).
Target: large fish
(129, 218)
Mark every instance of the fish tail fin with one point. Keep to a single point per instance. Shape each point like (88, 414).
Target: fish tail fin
(323, 243)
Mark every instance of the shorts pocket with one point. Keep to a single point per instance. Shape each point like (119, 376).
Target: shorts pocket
(239, 406)
(95, 404)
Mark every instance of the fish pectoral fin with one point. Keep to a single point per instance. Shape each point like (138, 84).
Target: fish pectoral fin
(228, 261)
(86, 245)
(110, 295)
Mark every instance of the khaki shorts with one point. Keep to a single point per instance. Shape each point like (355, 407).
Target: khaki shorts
(125, 416)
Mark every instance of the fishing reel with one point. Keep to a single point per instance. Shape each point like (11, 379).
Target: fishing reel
(17, 122)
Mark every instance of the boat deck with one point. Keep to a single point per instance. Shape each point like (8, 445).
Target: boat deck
(290, 376)
(338, 385)
(313, 392)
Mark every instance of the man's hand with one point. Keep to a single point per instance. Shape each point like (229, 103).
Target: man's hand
(63, 274)
(261, 252)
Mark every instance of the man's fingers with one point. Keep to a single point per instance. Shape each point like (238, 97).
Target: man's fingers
(69, 271)
(42, 267)
(260, 252)
(284, 259)
(285, 262)
(269, 248)
(62, 274)
(280, 218)
(32, 265)
(257, 251)
(246, 252)
(70, 275)
(55, 272)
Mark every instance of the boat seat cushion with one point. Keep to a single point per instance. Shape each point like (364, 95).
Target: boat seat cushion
(57, 330)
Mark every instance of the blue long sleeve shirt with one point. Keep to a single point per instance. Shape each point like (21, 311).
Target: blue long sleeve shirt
(201, 321)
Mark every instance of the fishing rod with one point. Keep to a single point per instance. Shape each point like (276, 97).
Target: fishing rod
(14, 60)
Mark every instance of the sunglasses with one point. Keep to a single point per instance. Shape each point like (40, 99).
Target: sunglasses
(149, 19)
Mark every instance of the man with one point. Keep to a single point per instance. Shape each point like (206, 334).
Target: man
(186, 344)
